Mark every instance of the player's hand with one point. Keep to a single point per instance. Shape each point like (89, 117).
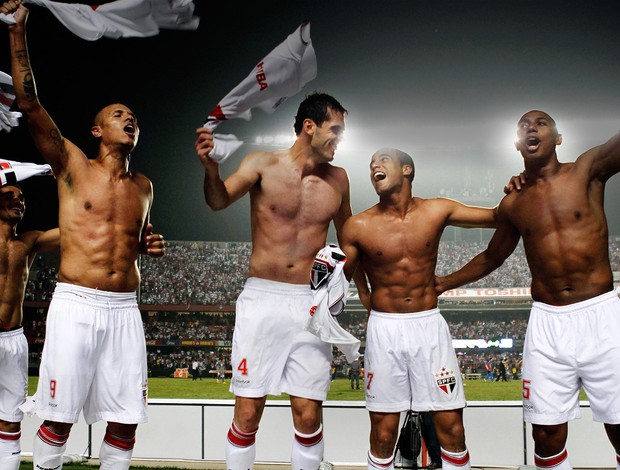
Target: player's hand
(440, 287)
(516, 183)
(19, 12)
(204, 146)
(154, 243)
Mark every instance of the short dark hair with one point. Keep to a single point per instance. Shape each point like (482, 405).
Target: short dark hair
(316, 106)
(404, 159)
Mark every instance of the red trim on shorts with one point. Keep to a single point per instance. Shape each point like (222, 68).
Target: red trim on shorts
(549, 462)
(617, 458)
(239, 438)
(459, 462)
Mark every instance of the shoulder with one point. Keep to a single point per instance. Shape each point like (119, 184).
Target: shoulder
(436, 204)
(142, 180)
(339, 174)
(263, 158)
(361, 219)
(28, 239)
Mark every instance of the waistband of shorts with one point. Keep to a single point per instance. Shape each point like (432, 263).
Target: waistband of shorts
(406, 316)
(15, 331)
(599, 299)
(267, 285)
(97, 297)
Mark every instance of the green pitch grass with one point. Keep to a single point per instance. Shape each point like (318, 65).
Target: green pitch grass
(208, 388)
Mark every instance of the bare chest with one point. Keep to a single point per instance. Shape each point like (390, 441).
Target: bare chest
(400, 242)
(308, 200)
(101, 201)
(552, 208)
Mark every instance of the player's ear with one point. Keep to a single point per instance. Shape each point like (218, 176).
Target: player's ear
(95, 131)
(308, 126)
(558, 139)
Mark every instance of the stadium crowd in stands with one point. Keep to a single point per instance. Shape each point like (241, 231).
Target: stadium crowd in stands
(212, 274)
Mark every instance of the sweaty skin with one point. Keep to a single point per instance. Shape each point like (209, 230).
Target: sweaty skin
(104, 206)
(294, 194)
(17, 252)
(396, 243)
(396, 240)
(559, 213)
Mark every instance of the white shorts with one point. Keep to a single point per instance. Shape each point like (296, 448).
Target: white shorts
(94, 358)
(569, 346)
(410, 363)
(271, 352)
(13, 374)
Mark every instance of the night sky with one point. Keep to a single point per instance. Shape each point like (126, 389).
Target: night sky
(445, 81)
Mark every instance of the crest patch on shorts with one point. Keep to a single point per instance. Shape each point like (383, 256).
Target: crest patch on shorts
(446, 380)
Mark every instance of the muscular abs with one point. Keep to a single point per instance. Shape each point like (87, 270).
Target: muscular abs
(100, 228)
(565, 237)
(289, 226)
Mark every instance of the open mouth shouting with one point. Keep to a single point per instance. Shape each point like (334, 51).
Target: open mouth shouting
(130, 129)
(532, 143)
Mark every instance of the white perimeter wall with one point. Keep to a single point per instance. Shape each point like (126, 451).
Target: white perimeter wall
(196, 430)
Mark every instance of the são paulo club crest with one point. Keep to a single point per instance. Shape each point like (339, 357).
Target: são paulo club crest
(446, 380)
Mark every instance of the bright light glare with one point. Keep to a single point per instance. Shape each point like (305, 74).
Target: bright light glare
(280, 140)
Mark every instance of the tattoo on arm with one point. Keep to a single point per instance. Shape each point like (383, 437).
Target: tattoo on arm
(25, 70)
(56, 137)
(29, 88)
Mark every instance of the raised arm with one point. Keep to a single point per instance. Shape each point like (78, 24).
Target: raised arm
(44, 131)
(604, 160)
(220, 194)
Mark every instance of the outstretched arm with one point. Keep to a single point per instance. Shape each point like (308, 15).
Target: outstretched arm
(44, 131)
(462, 215)
(501, 246)
(44, 241)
